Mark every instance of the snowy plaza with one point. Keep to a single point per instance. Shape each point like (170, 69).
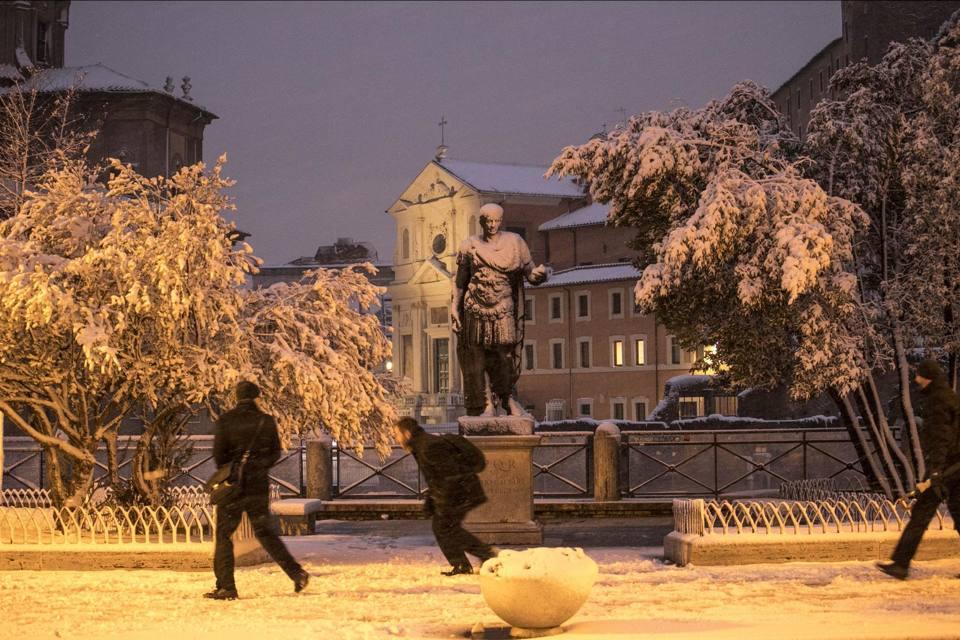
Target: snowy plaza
(381, 580)
(480, 320)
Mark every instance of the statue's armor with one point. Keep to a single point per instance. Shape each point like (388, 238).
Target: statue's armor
(491, 276)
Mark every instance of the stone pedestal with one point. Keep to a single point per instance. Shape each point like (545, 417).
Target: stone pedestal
(507, 516)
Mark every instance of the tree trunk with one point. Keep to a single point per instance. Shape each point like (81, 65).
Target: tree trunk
(871, 468)
(54, 475)
(903, 369)
(113, 465)
(80, 483)
(909, 480)
(157, 452)
(874, 417)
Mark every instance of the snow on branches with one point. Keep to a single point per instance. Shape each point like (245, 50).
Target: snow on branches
(129, 299)
(719, 199)
(315, 350)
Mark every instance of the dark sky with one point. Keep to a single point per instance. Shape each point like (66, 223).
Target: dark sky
(328, 110)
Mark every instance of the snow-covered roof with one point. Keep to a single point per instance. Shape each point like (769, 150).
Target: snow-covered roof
(590, 215)
(488, 177)
(94, 77)
(592, 273)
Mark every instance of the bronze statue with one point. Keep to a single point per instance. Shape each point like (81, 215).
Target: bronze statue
(487, 313)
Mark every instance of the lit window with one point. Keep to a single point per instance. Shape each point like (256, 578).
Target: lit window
(639, 351)
(617, 355)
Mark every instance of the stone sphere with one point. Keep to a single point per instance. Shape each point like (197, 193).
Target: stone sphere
(538, 588)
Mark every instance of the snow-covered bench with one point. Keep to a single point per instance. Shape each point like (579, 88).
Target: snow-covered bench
(297, 516)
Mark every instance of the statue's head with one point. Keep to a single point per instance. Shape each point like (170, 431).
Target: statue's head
(491, 218)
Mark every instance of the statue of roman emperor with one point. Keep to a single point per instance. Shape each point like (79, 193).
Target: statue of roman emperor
(487, 313)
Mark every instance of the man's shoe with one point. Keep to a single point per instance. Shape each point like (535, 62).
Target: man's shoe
(456, 571)
(221, 594)
(301, 581)
(894, 570)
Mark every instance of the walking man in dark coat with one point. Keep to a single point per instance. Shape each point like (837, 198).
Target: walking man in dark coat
(246, 426)
(450, 464)
(940, 440)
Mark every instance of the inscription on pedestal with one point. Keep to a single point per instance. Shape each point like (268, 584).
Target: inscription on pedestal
(507, 480)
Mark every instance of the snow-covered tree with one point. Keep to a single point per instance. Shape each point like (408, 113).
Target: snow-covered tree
(130, 298)
(818, 265)
(317, 354)
(891, 144)
(738, 247)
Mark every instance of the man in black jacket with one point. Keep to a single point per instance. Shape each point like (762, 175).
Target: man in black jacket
(450, 464)
(940, 440)
(246, 427)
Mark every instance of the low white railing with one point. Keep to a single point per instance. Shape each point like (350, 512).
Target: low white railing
(106, 525)
(28, 517)
(860, 515)
(25, 498)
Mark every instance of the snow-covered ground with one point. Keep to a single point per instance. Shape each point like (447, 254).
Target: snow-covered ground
(367, 586)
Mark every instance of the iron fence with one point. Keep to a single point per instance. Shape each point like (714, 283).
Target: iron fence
(25, 464)
(746, 463)
(653, 464)
(366, 475)
(563, 465)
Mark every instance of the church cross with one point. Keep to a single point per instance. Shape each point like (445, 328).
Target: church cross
(443, 122)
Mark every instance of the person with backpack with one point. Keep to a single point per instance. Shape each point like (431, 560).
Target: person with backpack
(246, 440)
(450, 464)
(940, 440)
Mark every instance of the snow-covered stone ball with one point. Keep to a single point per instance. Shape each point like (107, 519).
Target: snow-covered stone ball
(538, 588)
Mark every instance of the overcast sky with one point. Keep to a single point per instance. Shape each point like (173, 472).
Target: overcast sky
(329, 110)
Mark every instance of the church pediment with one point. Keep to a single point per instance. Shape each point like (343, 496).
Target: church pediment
(434, 182)
(431, 270)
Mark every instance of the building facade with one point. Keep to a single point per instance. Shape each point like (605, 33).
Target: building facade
(867, 28)
(154, 129)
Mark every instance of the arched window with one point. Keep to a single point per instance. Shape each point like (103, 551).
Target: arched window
(405, 244)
